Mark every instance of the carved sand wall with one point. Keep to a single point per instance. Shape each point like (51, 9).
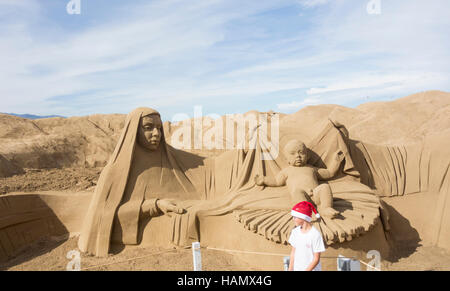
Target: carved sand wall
(29, 218)
(413, 169)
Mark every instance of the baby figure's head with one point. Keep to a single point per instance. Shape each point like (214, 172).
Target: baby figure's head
(296, 153)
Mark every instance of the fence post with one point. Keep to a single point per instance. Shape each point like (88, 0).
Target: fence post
(197, 256)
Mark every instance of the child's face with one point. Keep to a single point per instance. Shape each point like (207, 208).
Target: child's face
(296, 154)
(298, 221)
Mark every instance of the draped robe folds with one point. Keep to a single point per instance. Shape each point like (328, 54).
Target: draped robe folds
(234, 190)
(213, 186)
(224, 184)
(132, 175)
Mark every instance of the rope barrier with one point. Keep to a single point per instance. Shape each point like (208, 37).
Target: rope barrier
(246, 252)
(263, 253)
(127, 260)
(284, 255)
(215, 249)
(369, 265)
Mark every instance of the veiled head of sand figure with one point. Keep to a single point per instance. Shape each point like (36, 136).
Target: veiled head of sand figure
(149, 132)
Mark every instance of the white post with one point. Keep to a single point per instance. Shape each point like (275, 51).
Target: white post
(197, 256)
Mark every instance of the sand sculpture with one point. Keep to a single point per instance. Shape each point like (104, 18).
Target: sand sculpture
(141, 170)
(302, 179)
(151, 185)
(144, 173)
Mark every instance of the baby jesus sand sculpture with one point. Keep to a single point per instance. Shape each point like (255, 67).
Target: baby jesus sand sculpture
(302, 178)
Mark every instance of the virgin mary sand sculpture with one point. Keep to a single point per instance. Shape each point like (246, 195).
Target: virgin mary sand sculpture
(144, 172)
(141, 169)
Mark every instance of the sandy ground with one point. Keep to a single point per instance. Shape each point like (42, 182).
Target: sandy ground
(425, 258)
(70, 179)
(52, 256)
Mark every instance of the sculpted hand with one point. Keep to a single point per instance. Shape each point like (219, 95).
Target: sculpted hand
(339, 156)
(169, 205)
(259, 180)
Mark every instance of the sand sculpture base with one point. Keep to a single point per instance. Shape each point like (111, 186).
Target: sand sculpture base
(412, 220)
(27, 218)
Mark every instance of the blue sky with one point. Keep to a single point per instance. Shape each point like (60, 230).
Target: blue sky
(227, 56)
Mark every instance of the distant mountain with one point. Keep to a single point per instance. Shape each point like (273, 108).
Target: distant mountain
(31, 116)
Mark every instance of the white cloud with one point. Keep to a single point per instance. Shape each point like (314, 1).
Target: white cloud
(175, 53)
(358, 82)
(295, 105)
(166, 33)
(313, 3)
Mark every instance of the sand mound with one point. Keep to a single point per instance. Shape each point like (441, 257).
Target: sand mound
(72, 179)
(88, 141)
(8, 169)
(405, 120)
(59, 142)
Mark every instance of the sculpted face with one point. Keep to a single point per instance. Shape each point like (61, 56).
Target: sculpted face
(296, 153)
(149, 133)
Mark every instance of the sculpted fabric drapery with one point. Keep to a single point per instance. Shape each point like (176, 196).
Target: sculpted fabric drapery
(224, 184)
(267, 210)
(408, 169)
(214, 186)
(132, 175)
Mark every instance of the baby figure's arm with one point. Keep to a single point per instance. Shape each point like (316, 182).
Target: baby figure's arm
(280, 180)
(325, 174)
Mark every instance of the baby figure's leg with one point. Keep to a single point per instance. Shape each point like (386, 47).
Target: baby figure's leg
(299, 195)
(324, 200)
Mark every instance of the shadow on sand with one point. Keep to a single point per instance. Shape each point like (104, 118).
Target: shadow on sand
(28, 228)
(402, 237)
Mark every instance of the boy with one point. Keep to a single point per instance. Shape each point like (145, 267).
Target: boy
(302, 178)
(305, 239)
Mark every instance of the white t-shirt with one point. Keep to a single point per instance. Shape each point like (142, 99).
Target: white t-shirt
(306, 244)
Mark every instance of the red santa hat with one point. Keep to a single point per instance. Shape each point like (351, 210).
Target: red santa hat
(304, 210)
